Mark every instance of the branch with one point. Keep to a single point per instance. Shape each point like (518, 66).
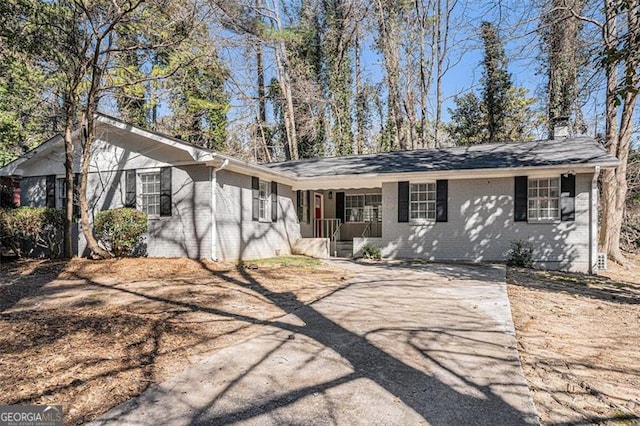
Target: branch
(146, 79)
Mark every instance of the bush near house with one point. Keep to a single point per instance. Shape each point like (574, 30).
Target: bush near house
(6, 197)
(520, 254)
(32, 231)
(370, 252)
(120, 230)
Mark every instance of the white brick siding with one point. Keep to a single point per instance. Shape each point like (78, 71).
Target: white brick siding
(241, 238)
(186, 233)
(480, 227)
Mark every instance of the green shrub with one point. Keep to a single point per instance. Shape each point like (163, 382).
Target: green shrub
(120, 230)
(370, 252)
(26, 230)
(520, 254)
(6, 197)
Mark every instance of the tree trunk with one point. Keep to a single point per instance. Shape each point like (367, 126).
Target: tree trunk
(92, 244)
(262, 102)
(442, 50)
(390, 50)
(88, 134)
(618, 139)
(68, 168)
(284, 81)
(425, 77)
(561, 35)
(360, 101)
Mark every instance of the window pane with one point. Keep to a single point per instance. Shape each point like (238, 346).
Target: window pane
(422, 201)
(544, 198)
(264, 200)
(150, 196)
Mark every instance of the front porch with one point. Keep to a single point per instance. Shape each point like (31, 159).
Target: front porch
(340, 215)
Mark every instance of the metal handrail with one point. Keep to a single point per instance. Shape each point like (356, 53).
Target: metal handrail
(333, 239)
(373, 227)
(325, 227)
(366, 228)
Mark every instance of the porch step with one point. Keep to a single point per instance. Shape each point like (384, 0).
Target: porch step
(343, 249)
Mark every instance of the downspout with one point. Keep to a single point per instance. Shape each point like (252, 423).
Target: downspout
(593, 223)
(214, 226)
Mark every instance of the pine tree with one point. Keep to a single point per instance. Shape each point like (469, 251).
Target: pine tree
(502, 112)
(467, 125)
(496, 82)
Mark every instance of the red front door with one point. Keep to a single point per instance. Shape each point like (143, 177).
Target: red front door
(318, 213)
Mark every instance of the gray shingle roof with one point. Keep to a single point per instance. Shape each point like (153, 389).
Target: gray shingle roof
(581, 151)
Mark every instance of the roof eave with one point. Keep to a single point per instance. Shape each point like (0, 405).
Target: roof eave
(263, 172)
(368, 180)
(197, 154)
(13, 168)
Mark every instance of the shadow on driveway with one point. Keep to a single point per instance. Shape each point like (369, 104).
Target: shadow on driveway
(399, 344)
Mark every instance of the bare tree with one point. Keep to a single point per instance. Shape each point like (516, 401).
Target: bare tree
(84, 37)
(443, 17)
(388, 16)
(621, 36)
(560, 30)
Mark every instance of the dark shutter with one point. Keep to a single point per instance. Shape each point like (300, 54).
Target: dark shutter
(403, 201)
(521, 191)
(130, 189)
(308, 195)
(51, 191)
(568, 197)
(299, 205)
(255, 202)
(442, 197)
(274, 201)
(340, 206)
(165, 191)
(76, 195)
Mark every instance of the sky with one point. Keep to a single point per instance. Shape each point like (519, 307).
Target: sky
(516, 20)
(518, 30)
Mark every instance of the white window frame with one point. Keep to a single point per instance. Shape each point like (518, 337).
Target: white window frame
(421, 202)
(264, 201)
(543, 199)
(141, 193)
(350, 208)
(364, 209)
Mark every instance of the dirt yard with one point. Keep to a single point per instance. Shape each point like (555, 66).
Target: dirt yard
(579, 341)
(90, 335)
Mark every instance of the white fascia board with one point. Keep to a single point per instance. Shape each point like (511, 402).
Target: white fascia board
(198, 154)
(375, 180)
(13, 168)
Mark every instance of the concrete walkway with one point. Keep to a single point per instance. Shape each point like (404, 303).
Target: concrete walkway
(400, 344)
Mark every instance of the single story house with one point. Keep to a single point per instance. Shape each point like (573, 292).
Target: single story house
(450, 204)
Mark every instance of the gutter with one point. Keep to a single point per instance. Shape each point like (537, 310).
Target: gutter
(338, 181)
(213, 171)
(593, 223)
(255, 169)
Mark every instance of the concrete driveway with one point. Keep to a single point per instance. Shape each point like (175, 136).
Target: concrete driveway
(401, 343)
